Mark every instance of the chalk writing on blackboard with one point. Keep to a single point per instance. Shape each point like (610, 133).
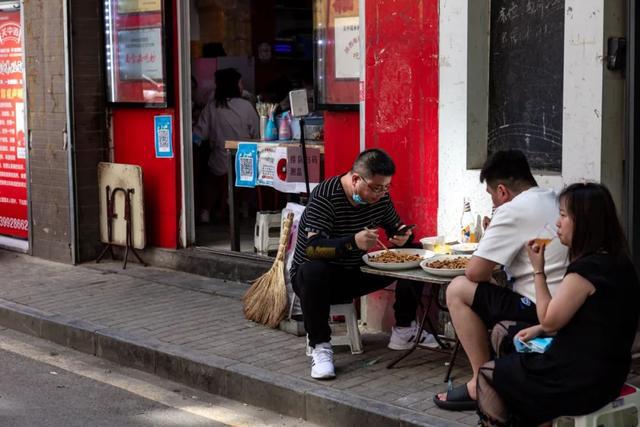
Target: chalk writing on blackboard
(525, 79)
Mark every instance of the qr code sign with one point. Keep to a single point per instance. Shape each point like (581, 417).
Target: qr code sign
(164, 140)
(246, 168)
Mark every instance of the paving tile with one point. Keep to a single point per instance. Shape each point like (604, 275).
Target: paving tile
(165, 305)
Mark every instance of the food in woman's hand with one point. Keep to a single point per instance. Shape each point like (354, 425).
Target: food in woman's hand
(457, 263)
(394, 257)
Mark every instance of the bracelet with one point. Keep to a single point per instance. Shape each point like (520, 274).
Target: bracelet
(539, 272)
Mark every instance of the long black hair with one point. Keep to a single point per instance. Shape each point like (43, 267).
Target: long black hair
(227, 86)
(596, 227)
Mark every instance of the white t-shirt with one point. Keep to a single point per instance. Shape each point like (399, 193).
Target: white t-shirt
(238, 122)
(512, 226)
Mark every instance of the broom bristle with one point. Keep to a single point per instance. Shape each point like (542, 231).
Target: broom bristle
(266, 300)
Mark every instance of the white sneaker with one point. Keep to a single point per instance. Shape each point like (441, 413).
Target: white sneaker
(322, 363)
(402, 338)
(204, 216)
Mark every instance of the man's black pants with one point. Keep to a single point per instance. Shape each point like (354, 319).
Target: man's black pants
(319, 284)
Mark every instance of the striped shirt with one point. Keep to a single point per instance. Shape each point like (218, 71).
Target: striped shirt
(330, 214)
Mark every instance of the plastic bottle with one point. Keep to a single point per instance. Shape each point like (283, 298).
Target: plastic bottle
(271, 131)
(479, 231)
(284, 130)
(467, 224)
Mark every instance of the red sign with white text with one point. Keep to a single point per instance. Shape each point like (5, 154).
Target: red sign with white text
(13, 152)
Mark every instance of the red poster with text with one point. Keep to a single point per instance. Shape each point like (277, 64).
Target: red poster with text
(13, 153)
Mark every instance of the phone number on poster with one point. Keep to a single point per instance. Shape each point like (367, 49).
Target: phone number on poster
(14, 223)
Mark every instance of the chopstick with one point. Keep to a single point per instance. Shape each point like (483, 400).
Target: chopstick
(372, 227)
(382, 244)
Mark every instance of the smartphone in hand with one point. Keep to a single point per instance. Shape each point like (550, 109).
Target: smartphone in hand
(404, 229)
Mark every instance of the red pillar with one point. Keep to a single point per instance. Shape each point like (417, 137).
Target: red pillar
(401, 97)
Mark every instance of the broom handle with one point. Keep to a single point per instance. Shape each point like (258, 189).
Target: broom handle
(284, 237)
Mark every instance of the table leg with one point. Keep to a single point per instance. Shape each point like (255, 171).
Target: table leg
(452, 360)
(415, 342)
(234, 226)
(432, 329)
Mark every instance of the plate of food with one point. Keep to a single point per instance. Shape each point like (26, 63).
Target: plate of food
(396, 259)
(464, 248)
(446, 265)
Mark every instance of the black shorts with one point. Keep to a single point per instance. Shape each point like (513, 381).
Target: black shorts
(494, 303)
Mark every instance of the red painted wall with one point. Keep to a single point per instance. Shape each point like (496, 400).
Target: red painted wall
(341, 141)
(401, 93)
(133, 136)
(133, 140)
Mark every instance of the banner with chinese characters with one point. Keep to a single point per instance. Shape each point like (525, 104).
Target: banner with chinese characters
(347, 31)
(13, 154)
(139, 6)
(270, 165)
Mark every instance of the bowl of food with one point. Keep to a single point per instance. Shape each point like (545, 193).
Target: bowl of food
(429, 243)
(396, 259)
(464, 248)
(446, 265)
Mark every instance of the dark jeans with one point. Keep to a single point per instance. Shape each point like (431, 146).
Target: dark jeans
(319, 284)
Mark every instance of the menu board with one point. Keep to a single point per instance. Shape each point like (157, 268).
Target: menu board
(13, 153)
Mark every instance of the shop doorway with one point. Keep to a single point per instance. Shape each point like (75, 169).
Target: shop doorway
(14, 200)
(269, 43)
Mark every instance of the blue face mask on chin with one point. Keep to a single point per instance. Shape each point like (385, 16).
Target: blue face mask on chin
(356, 198)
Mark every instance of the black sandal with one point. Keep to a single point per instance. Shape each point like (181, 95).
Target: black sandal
(458, 399)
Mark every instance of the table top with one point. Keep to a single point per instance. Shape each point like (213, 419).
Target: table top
(415, 274)
(233, 145)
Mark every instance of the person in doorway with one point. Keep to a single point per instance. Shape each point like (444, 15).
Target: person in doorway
(338, 226)
(226, 117)
(593, 315)
(522, 210)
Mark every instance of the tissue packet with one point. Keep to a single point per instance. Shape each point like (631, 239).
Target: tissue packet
(536, 345)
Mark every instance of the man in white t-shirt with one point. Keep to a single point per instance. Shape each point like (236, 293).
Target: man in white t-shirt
(523, 211)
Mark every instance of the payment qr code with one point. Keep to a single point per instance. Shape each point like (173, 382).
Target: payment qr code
(246, 168)
(164, 142)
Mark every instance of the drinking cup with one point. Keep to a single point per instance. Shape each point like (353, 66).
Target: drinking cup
(546, 235)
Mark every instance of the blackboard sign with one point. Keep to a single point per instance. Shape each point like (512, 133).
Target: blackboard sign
(525, 80)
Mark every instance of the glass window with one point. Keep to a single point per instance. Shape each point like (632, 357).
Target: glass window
(136, 52)
(337, 53)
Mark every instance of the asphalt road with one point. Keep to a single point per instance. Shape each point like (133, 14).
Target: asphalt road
(43, 384)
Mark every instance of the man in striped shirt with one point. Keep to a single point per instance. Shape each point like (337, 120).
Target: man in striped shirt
(338, 226)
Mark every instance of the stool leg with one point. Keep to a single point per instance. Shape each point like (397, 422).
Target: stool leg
(355, 342)
(308, 347)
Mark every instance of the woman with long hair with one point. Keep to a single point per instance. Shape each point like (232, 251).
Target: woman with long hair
(593, 318)
(227, 116)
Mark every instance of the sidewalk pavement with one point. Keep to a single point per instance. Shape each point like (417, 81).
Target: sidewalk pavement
(191, 329)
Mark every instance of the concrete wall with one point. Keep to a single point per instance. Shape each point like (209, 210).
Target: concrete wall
(51, 230)
(48, 165)
(593, 102)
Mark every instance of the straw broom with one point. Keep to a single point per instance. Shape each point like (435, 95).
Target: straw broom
(266, 300)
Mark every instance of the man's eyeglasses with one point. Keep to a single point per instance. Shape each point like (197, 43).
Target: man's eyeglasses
(380, 189)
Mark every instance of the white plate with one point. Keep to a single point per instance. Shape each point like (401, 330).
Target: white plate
(464, 248)
(424, 254)
(446, 272)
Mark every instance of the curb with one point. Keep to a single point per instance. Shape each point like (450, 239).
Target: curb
(214, 374)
